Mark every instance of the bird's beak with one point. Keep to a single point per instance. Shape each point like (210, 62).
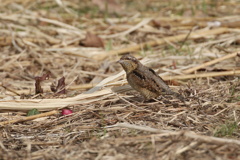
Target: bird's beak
(120, 61)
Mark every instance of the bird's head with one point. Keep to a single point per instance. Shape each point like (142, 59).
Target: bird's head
(129, 63)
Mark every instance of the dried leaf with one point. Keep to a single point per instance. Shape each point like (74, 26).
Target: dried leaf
(60, 89)
(92, 40)
(167, 26)
(158, 24)
(38, 80)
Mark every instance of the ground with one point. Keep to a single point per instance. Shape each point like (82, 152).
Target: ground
(192, 45)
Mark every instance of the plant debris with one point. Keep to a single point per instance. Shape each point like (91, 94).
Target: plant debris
(60, 88)
(38, 80)
(92, 40)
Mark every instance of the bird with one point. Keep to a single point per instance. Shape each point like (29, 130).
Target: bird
(144, 79)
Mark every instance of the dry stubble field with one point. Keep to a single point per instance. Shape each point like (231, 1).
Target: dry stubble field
(193, 45)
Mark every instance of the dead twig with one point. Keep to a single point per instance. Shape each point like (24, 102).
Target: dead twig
(29, 118)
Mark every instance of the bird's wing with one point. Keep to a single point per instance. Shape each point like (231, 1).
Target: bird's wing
(139, 79)
(159, 80)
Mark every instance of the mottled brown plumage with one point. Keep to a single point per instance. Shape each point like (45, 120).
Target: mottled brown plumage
(144, 79)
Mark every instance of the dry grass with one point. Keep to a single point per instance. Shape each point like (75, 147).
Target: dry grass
(194, 46)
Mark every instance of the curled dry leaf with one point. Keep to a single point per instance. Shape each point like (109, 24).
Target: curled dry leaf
(158, 24)
(60, 88)
(38, 80)
(92, 40)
